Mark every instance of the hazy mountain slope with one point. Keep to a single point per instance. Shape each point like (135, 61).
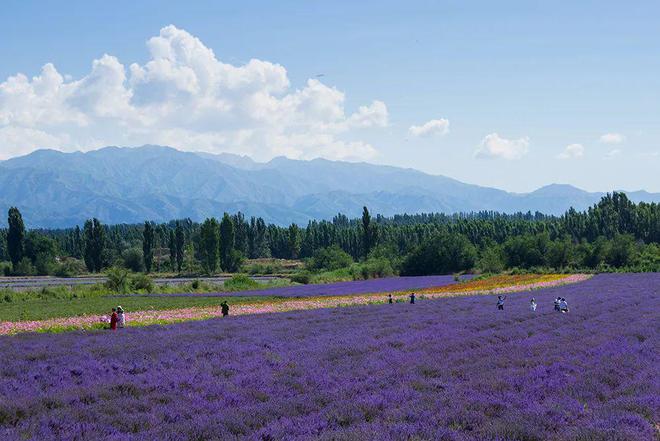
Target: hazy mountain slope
(55, 189)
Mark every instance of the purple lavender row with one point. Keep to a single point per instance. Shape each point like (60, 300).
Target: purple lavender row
(388, 284)
(452, 369)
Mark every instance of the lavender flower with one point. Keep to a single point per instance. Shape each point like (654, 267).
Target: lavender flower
(449, 369)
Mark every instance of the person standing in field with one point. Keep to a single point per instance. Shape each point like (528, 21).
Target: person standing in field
(224, 307)
(532, 304)
(412, 298)
(557, 300)
(114, 319)
(389, 299)
(121, 318)
(500, 302)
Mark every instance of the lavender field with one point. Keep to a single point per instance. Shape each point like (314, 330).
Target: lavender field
(387, 284)
(452, 369)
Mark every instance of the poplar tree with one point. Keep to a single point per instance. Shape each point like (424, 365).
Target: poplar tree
(209, 238)
(180, 242)
(227, 253)
(148, 245)
(15, 236)
(94, 238)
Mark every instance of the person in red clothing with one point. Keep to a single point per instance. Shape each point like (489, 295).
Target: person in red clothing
(114, 319)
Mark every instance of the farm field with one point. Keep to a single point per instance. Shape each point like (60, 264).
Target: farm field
(62, 314)
(453, 368)
(39, 309)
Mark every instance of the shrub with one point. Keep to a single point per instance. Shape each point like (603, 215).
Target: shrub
(24, 268)
(44, 265)
(118, 280)
(265, 268)
(70, 267)
(240, 282)
(142, 282)
(195, 284)
(329, 259)
(5, 268)
(373, 268)
(388, 252)
(302, 277)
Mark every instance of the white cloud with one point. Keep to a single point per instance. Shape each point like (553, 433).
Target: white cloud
(493, 146)
(572, 151)
(374, 115)
(612, 153)
(186, 97)
(16, 141)
(612, 138)
(432, 127)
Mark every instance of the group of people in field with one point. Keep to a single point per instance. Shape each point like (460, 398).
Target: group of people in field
(412, 297)
(116, 320)
(561, 305)
(118, 317)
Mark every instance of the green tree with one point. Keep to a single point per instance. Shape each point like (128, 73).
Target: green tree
(369, 232)
(41, 250)
(526, 251)
(559, 253)
(94, 239)
(171, 244)
(209, 243)
(227, 243)
(134, 259)
(621, 251)
(443, 254)
(15, 236)
(329, 259)
(491, 260)
(294, 240)
(148, 245)
(180, 245)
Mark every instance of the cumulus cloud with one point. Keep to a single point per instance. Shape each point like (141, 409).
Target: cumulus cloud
(612, 138)
(432, 127)
(184, 96)
(493, 146)
(572, 151)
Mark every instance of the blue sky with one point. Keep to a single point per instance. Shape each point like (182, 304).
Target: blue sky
(514, 95)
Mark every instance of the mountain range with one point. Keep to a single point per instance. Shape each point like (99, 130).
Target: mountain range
(130, 185)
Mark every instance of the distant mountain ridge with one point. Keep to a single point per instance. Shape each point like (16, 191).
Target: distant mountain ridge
(129, 185)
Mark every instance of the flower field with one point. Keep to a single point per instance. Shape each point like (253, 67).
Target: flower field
(345, 294)
(452, 369)
(506, 283)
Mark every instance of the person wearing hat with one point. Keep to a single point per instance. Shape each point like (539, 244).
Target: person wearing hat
(121, 318)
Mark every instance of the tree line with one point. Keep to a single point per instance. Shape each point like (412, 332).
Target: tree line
(614, 233)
